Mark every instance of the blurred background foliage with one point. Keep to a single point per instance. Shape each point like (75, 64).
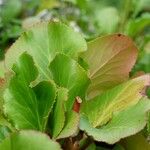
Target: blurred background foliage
(92, 18)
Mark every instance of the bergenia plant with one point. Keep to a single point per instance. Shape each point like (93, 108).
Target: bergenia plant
(60, 92)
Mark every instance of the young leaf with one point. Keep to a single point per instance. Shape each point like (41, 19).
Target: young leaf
(29, 140)
(63, 124)
(110, 60)
(57, 118)
(107, 20)
(123, 124)
(71, 125)
(42, 42)
(138, 25)
(27, 107)
(67, 73)
(116, 99)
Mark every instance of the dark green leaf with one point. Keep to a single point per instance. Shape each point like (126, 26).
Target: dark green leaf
(27, 107)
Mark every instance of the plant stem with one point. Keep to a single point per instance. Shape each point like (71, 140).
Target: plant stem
(70, 144)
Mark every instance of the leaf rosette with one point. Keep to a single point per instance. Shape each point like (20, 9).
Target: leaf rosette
(52, 66)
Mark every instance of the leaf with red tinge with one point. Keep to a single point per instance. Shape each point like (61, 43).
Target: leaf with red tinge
(110, 59)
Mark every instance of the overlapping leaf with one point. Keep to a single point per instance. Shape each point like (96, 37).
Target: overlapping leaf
(54, 48)
(42, 42)
(27, 107)
(116, 99)
(123, 124)
(138, 25)
(110, 60)
(29, 140)
(73, 81)
(71, 125)
(67, 73)
(63, 123)
(57, 118)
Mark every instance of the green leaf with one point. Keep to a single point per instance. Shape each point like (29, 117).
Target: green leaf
(14, 31)
(116, 99)
(57, 118)
(67, 73)
(26, 107)
(4, 123)
(136, 142)
(73, 81)
(4, 82)
(91, 147)
(4, 132)
(139, 6)
(123, 124)
(29, 140)
(9, 10)
(2, 68)
(118, 147)
(71, 125)
(62, 123)
(44, 4)
(43, 42)
(110, 60)
(2, 89)
(107, 19)
(148, 122)
(136, 26)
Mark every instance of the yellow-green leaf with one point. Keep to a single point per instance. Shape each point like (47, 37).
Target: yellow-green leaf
(116, 99)
(123, 123)
(29, 140)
